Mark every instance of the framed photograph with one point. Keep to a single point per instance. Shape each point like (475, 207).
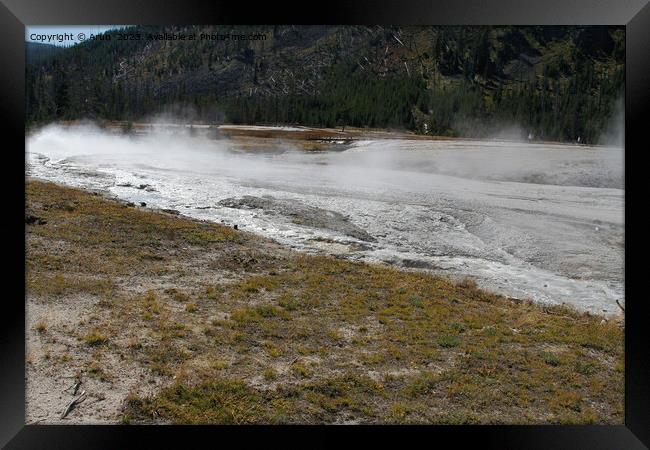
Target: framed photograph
(254, 220)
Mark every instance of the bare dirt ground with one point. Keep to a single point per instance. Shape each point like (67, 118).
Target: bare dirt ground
(164, 319)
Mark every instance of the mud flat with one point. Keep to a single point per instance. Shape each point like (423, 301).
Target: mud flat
(301, 214)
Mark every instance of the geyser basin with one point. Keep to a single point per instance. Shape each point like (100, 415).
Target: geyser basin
(539, 221)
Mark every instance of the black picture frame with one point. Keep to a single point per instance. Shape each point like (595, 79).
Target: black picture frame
(15, 14)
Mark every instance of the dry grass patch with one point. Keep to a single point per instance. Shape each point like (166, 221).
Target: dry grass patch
(95, 338)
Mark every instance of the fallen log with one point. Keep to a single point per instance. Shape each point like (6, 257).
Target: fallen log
(74, 402)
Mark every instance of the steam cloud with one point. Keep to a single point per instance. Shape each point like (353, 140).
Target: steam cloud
(367, 163)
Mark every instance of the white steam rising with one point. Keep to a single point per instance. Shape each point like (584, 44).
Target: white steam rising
(367, 163)
(177, 149)
(614, 134)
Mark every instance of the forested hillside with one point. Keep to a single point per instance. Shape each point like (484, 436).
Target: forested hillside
(36, 52)
(557, 83)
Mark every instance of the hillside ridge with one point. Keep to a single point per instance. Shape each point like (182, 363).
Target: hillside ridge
(553, 83)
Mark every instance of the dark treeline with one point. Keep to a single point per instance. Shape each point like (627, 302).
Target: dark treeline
(556, 83)
(347, 97)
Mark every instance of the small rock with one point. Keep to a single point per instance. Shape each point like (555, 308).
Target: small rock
(235, 227)
(143, 204)
(34, 220)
